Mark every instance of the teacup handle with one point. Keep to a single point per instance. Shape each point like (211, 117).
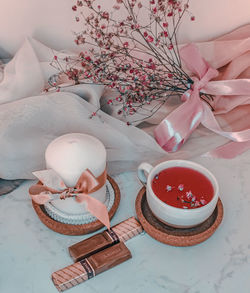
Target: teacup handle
(143, 170)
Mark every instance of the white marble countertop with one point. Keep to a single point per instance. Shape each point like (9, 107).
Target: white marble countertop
(30, 252)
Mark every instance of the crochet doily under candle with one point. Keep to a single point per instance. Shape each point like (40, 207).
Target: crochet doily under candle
(81, 218)
(91, 224)
(176, 236)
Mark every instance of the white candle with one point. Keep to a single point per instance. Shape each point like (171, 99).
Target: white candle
(71, 154)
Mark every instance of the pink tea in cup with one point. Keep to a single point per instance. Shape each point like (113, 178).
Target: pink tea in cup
(183, 188)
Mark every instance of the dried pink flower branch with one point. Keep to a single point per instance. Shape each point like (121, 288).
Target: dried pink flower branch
(137, 56)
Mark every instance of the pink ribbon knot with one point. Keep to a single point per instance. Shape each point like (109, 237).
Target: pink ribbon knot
(175, 129)
(51, 185)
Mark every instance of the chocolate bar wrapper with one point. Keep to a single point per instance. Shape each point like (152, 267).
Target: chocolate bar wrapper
(120, 232)
(88, 268)
(127, 229)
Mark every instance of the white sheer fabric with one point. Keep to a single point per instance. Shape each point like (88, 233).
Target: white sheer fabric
(30, 119)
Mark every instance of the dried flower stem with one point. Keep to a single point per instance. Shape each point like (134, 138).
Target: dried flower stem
(137, 57)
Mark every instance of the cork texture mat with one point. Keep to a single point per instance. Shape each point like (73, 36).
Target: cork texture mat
(176, 236)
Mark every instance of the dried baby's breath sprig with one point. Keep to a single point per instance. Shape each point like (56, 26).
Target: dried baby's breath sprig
(132, 49)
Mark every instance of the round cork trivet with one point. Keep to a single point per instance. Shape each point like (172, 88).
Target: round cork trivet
(176, 236)
(68, 229)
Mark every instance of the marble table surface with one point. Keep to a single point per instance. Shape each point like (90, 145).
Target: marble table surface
(30, 252)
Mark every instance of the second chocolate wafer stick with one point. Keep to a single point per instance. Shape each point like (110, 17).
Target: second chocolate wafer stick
(88, 268)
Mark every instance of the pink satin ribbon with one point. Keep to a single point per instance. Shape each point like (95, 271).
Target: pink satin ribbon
(175, 129)
(52, 186)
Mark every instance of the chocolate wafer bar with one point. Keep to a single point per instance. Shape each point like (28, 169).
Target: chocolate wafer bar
(89, 267)
(120, 232)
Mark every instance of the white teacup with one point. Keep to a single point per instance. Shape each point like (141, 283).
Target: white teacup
(172, 216)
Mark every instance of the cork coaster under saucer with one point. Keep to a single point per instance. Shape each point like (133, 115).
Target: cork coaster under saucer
(69, 229)
(176, 236)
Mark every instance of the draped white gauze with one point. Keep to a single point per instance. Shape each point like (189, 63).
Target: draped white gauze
(30, 120)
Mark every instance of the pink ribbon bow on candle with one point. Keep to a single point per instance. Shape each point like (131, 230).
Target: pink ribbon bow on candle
(175, 129)
(52, 185)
